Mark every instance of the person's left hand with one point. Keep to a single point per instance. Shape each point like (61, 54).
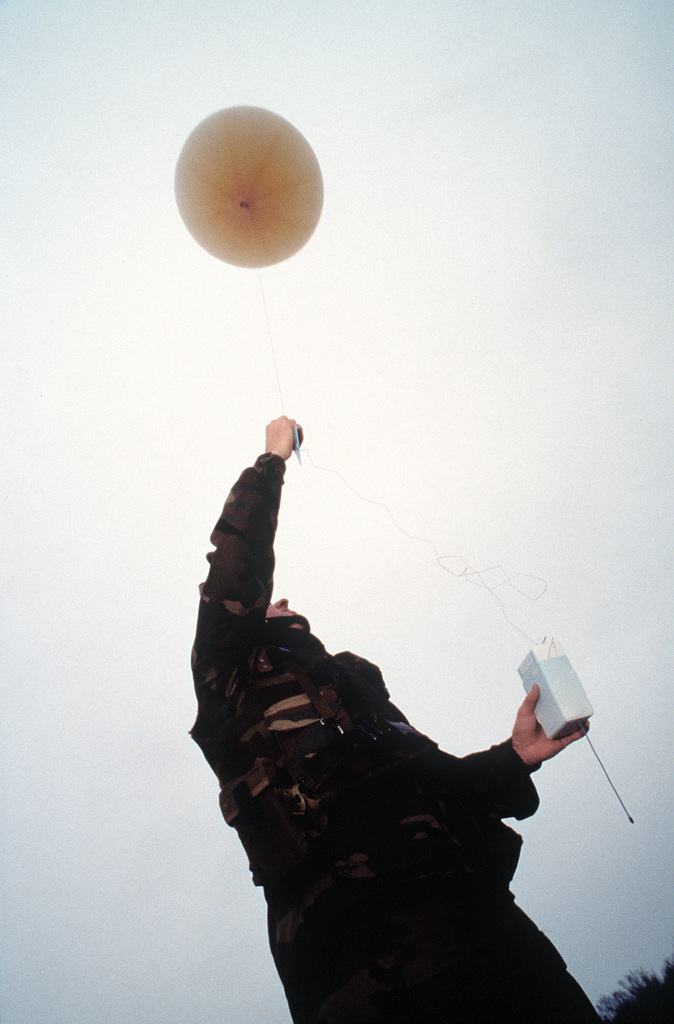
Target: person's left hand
(529, 739)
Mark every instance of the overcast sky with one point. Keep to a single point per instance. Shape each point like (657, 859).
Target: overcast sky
(478, 336)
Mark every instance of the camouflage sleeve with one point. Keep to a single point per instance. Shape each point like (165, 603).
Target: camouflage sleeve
(496, 779)
(501, 777)
(238, 589)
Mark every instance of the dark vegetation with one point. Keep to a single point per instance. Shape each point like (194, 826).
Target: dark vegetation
(643, 998)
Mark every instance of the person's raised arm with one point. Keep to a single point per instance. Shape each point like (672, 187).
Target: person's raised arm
(237, 592)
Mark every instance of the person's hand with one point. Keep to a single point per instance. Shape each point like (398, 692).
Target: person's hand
(279, 437)
(529, 739)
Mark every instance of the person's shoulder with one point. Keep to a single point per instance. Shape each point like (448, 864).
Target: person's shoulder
(365, 669)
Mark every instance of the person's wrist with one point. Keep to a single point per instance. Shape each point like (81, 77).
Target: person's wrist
(532, 764)
(270, 458)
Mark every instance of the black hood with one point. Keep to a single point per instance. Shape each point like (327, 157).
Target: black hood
(281, 631)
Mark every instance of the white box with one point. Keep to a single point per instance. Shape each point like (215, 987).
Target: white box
(563, 701)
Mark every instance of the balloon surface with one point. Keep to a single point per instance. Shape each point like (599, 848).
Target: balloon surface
(248, 187)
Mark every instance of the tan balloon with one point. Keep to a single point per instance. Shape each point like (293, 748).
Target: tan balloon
(249, 187)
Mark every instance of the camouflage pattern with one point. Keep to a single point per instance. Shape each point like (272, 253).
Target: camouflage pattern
(414, 949)
(352, 820)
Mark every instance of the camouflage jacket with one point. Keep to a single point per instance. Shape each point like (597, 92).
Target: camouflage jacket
(318, 769)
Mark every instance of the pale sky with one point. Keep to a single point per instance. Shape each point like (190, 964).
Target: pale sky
(478, 336)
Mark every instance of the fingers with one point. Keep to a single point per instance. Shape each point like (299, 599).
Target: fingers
(282, 423)
(531, 699)
(528, 705)
(280, 420)
(279, 436)
(578, 733)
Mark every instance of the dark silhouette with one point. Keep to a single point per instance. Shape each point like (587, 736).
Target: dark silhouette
(643, 998)
(385, 861)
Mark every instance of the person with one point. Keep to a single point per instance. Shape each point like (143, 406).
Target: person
(385, 861)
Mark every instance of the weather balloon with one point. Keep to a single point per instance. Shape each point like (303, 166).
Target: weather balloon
(248, 187)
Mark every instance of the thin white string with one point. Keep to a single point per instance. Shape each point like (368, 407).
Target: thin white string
(244, 205)
(474, 576)
(271, 343)
(477, 577)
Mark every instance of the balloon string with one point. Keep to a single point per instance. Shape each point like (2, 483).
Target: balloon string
(474, 576)
(266, 312)
(271, 342)
(478, 577)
